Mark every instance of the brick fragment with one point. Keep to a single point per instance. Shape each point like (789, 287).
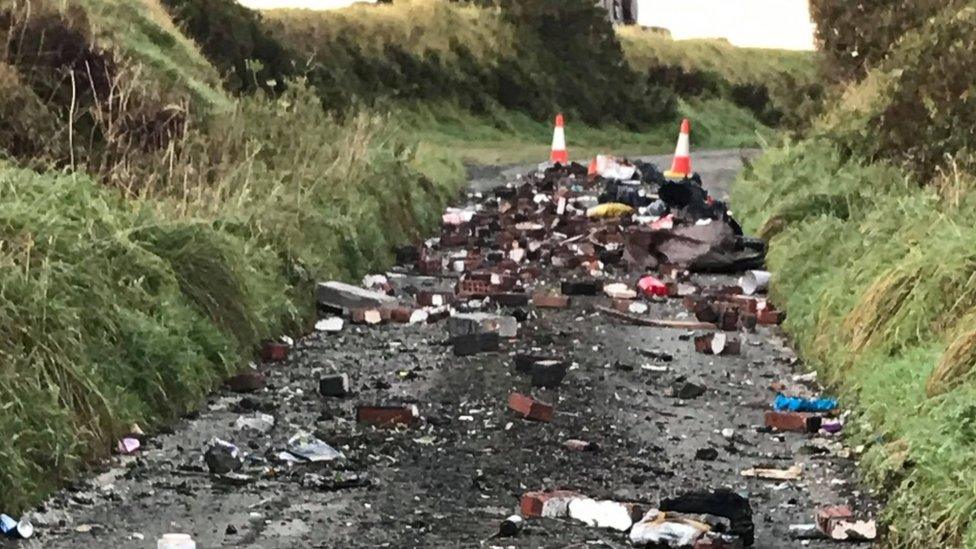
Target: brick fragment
(334, 385)
(553, 504)
(472, 344)
(827, 517)
(510, 299)
(427, 298)
(530, 408)
(387, 416)
(550, 301)
(771, 317)
(800, 422)
(401, 315)
(247, 382)
(274, 351)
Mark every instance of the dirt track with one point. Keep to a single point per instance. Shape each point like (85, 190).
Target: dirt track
(451, 481)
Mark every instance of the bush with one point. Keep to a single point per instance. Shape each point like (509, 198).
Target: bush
(917, 109)
(235, 40)
(857, 36)
(534, 57)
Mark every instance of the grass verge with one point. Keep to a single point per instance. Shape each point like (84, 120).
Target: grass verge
(879, 278)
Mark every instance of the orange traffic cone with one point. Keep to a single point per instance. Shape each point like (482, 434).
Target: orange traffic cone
(559, 153)
(592, 170)
(681, 167)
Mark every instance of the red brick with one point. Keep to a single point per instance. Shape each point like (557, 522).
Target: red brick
(828, 516)
(368, 316)
(274, 351)
(771, 317)
(530, 408)
(546, 504)
(718, 542)
(799, 422)
(550, 301)
(454, 239)
(430, 266)
(746, 303)
(401, 315)
(247, 382)
(427, 298)
(387, 416)
(510, 299)
(703, 344)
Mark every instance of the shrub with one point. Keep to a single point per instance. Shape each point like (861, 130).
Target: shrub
(857, 36)
(236, 41)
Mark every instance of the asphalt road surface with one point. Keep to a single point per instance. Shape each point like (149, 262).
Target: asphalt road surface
(450, 481)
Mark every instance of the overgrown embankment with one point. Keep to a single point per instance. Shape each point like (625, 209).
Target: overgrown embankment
(155, 229)
(872, 227)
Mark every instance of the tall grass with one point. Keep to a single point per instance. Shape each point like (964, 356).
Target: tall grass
(879, 277)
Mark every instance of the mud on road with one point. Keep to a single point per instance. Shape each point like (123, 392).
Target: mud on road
(450, 481)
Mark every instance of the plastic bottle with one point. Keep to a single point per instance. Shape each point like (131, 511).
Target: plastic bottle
(176, 541)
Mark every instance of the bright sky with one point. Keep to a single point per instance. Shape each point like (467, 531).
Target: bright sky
(760, 23)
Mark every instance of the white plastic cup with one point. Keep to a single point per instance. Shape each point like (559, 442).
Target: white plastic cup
(176, 541)
(755, 281)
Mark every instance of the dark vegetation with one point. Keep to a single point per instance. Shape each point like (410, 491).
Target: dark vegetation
(871, 220)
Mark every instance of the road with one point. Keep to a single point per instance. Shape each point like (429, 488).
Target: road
(450, 481)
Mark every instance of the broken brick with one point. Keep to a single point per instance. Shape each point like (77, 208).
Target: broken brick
(274, 351)
(246, 382)
(550, 301)
(718, 344)
(548, 373)
(827, 517)
(334, 385)
(546, 504)
(530, 408)
(771, 317)
(581, 287)
(800, 422)
(430, 266)
(510, 299)
(401, 315)
(387, 416)
(368, 316)
(427, 298)
(472, 344)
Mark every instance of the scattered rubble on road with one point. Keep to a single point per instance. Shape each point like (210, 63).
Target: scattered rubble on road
(602, 256)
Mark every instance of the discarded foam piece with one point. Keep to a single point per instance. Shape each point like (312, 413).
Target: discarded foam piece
(669, 530)
(330, 325)
(603, 513)
(258, 422)
(476, 323)
(720, 502)
(619, 290)
(339, 295)
(128, 445)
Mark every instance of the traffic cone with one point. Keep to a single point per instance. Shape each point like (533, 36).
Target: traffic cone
(592, 170)
(559, 153)
(681, 167)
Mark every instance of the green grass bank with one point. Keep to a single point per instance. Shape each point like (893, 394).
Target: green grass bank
(871, 225)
